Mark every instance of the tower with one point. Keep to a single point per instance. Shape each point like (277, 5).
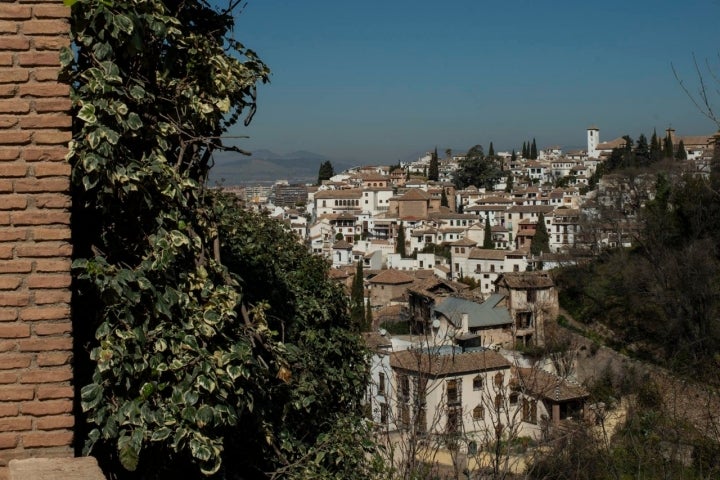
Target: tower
(593, 139)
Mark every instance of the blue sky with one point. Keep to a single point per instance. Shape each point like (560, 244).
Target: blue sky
(379, 80)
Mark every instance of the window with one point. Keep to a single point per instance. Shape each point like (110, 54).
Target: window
(383, 413)
(404, 415)
(514, 396)
(499, 377)
(478, 412)
(453, 392)
(404, 387)
(492, 268)
(381, 384)
(531, 295)
(477, 383)
(453, 420)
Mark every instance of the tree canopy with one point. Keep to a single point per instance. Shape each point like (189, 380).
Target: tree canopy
(478, 170)
(210, 331)
(325, 172)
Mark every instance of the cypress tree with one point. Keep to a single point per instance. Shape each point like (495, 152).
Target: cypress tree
(541, 240)
(487, 241)
(325, 172)
(655, 150)
(509, 183)
(667, 147)
(433, 171)
(368, 316)
(491, 150)
(400, 245)
(513, 157)
(681, 154)
(444, 199)
(524, 152)
(357, 297)
(533, 151)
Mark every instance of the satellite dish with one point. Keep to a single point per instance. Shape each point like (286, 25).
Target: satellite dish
(436, 323)
(383, 332)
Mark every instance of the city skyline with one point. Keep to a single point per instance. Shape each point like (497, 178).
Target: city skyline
(377, 81)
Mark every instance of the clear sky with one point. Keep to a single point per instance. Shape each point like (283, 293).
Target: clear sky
(379, 80)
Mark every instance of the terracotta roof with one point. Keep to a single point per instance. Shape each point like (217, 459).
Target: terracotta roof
(439, 365)
(548, 386)
(337, 274)
(392, 276)
(348, 193)
(376, 341)
(531, 209)
(414, 194)
(463, 242)
(486, 254)
(342, 245)
(523, 280)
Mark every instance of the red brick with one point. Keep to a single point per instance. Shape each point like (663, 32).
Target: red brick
(17, 360)
(4, 216)
(43, 105)
(43, 249)
(8, 409)
(44, 344)
(40, 217)
(51, 169)
(9, 153)
(13, 234)
(58, 328)
(45, 392)
(47, 407)
(44, 89)
(45, 265)
(46, 439)
(8, 121)
(14, 42)
(32, 59)
(12, 105)
(52, 359)
(7, 378)
(16, 393)
(50, 43)
(45, 121)
(12, 169)
(14, 330)
(51, 200)
(15, 12)
(8, 315)
(33, 314)
(7, 59)
(15, 266)
(43, 75)
(52, 138)
(9, 282)
(50, 11)
(14, 75)
(6, 251)
(34, 154)
(7, 90)
(49, 280)
(14, 299)
(8, 440)
(9, 345)
(45, 297)
(15, 424)
(10, 137)
(46, 375)
(55, 422)
(8, 27)
(13, 202)
(44, 27)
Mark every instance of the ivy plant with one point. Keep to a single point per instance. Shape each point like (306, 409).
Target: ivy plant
(206, 340)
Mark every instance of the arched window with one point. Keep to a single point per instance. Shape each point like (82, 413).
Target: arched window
(478, 412)
(477, 382)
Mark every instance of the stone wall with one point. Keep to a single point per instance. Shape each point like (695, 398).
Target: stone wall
(36, 395)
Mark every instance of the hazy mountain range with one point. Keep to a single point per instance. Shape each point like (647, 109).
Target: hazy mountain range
(232, 168)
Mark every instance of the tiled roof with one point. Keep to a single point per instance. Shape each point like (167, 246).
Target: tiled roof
(548, 386)
(348, 193)
(464, 242)
(342, 245)
(439, 365)
(523, 280)
(486, 254)
(414, 194)
(392, 276)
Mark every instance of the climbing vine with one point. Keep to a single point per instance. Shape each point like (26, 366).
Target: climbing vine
(183, 364)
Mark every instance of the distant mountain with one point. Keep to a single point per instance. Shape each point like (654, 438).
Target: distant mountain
(262, 165)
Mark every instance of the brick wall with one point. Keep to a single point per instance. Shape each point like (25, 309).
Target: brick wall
(35, 328)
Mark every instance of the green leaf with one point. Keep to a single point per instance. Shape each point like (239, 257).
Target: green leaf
(129, 453)
(134, 121)
(87, 114)
(91, 395)
(160, 434)
(123, 22)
